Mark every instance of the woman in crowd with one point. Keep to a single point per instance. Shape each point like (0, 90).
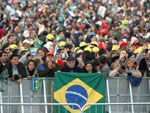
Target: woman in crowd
(31, 69)
(131, 69)
(42, 53)
(88, 68)
(79, 60)
(134, 75)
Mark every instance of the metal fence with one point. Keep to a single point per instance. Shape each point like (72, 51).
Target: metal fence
(22, 105)
(119, 90)
(119, 107)
(121, 97)
(21, 93)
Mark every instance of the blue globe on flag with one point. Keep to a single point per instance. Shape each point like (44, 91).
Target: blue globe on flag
(76, 94)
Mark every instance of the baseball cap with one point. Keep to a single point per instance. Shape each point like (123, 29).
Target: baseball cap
(70, 58)
(49, 53)
(26, 41)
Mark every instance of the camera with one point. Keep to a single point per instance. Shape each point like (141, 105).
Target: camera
(122, 67)
(16, 77)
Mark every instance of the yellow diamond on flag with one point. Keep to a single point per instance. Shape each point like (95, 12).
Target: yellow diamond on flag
(77, 92)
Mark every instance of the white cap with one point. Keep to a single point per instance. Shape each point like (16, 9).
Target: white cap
(26, 41)
(26, 33)
(148, 35)
(79, 51)
(48, 44)
(124, 40)
(135, 28)
(99, 22)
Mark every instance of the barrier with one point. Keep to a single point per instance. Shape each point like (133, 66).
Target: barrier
(118, 90)
(40, 104)
(21, 93)
(126, 106)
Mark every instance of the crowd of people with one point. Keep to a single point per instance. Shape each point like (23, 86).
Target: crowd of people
(41, 37)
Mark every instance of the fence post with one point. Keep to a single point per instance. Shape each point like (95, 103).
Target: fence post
(45, 99)
(108, 94)
(1, 99)
(9, 96)
(149, 85)
(31, 100)
(21, 97)
(131, 97)
(52, 94)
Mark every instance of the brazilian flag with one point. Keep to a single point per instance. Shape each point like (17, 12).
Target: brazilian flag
(35, 84)
(79, 88)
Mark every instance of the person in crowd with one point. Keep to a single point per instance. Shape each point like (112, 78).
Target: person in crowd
(3, 58)
(122, 58)
(103, 66)
(41, 67)
(26, 57)
(36, 29)
(88, 68)
(79, 60)
(51, 69)
(70, 66)
(49, 56)
(144, 63)
(41, 53)
(31, 69)
(134, 75)
(116, 70)
(131, 69)
(16, 70)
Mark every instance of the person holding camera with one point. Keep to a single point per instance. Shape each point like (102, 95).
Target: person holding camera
(131, 69)
(16, 70)
(117, 70)
(134, 75)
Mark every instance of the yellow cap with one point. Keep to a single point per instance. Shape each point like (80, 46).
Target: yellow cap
(95, 49)
(138, 50)
(83, 44)
(90, 46)
(75, 49)
(62, 44)
(45, 8)
(50, 37)
(31, 42)
(12, 46)
(115, 48)
(123, 52)
(148, 46)
(88, 49)
(94, 43)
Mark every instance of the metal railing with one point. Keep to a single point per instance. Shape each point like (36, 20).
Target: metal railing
(104, 105)
(123, 107)
(120, 95)
(40, 104)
